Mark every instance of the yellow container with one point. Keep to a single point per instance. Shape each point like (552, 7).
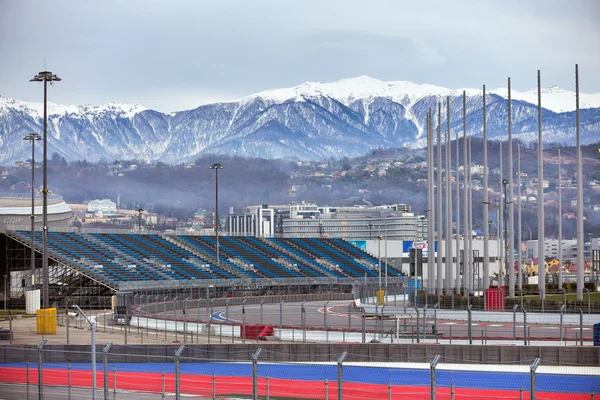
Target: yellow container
(46, 321)
(381, 297)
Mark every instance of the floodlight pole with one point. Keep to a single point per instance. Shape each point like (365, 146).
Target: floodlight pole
(32, 137)
(217, 167)
(45, 76)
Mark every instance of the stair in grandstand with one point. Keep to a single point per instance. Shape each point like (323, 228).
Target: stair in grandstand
(278, 255)
(204, 258)
(171, 264)
(309, 267)
(255, 257)
(315, 256)
(337, 257)
(367, 264)
(209, 247)
(358, 254)
(246, 266)
(231, 251)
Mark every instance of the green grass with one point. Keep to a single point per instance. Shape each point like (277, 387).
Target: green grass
(4, 314)
(595, 297)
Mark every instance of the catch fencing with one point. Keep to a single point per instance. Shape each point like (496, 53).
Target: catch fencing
(306, 372)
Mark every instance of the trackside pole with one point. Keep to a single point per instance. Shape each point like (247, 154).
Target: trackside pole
(432, 386)
(532, 369)
(340, 374)
(255, 373)
(177, 371)
(40, 349)
(105, 351)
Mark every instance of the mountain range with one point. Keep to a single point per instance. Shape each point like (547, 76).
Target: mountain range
(311, 121)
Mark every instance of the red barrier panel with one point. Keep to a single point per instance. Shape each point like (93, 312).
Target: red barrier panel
(253, 331)
(494, 299)
(267, 331)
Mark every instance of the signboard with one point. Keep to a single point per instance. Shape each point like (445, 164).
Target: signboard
(409, 244)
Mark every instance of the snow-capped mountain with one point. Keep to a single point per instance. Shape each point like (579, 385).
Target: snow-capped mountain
(310, 121)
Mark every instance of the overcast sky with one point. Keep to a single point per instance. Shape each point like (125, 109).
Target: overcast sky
(176, 54)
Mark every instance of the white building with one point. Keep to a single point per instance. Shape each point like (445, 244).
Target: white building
(102, 207)
(307, 219)
(569, 249)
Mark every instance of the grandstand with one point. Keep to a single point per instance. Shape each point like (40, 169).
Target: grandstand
(95, 264)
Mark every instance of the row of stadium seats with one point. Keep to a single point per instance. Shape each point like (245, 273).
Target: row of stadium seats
(112, 258)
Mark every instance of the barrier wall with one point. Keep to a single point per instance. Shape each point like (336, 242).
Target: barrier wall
(300, 352)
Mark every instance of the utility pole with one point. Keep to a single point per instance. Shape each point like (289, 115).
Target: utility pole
(466, 249)
(560, 260)
(449, 263)
(217, 167)
(541, 234)
(431, 208)
(45, 77)
(580, 233)
(438, 212)
(511, 210)
(486, 200)
(33, 137)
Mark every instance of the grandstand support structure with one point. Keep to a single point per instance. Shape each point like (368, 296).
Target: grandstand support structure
(67, 283)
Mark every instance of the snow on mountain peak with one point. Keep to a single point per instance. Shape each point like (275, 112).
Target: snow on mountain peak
(125, 110)
(362, 87)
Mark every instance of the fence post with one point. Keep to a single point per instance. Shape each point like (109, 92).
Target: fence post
(162, 384)
(40, 348)
(589, 301)
(349, 319)
(175, 318)
(452, 391)
(261, 311)
(581, 327)
(562, 312)
(524, 325)
(325, 321)
(435, 330)
(303, 321)
(417, 310)
(532, 368)
(27, 372)
(389, 390)
(432, 366)
(364, 328)
(267, 387)
(164, 315)
(326, 389)
(185, 320)
(281, 318)
(68, 322)
(470, 326)
(243, 321)
(114, 382)
(214, 386)
(515, 308)
(177, 380)
(340, 374)
(105, 359)
(425, 321)
(255, 373)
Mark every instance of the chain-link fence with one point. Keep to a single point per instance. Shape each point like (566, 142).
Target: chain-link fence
(150, 318)
(173, 372)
